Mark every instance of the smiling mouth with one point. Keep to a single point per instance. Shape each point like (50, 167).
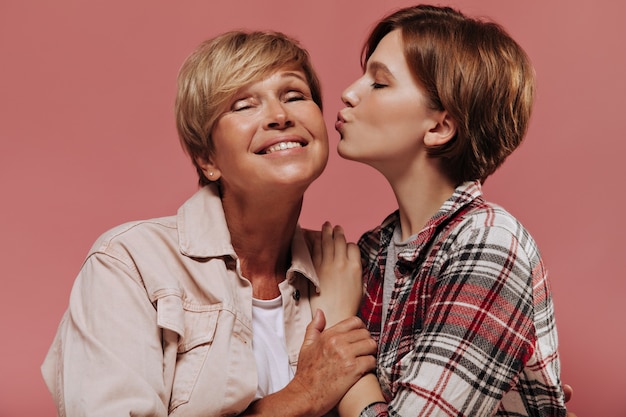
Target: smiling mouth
(281, 147)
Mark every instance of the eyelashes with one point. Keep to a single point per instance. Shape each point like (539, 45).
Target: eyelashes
(251, 102)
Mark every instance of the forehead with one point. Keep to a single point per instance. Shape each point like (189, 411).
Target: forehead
(390, 47)
(388, 57)
(277, 76)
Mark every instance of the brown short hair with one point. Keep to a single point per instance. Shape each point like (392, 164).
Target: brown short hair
(217, 69)
(476, 72)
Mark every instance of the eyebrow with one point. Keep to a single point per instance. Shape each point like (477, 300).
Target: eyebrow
(296, 74)
(376, 66)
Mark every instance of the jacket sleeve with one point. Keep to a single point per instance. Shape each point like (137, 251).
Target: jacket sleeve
(107, 356)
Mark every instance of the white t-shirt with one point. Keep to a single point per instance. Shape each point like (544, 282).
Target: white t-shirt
(269, 346)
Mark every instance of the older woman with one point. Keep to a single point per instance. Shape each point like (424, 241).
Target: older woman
(204, 312)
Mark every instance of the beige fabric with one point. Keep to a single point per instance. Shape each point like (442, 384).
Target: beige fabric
(160, 320)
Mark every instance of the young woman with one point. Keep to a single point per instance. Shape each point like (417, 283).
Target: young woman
(456, 294)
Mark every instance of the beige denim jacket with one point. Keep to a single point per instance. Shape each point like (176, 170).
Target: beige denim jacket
(160, 320)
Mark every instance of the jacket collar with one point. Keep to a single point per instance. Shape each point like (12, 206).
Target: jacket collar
(202, 229)
(203, 233)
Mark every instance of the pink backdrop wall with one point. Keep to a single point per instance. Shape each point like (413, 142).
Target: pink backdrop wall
(87, 141)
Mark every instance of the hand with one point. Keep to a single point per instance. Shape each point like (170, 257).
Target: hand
(331, 361)
(338, 266)
(568, 391)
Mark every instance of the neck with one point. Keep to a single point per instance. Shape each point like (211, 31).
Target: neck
(261, 234)
(420, 192)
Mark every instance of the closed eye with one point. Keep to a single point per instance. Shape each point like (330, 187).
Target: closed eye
(294, 96)
(240, 105)
(378, 85)
(241, 108)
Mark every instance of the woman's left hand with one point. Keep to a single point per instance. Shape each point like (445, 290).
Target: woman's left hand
(338, 266)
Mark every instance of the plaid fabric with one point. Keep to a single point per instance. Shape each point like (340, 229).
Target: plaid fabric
(470, 327)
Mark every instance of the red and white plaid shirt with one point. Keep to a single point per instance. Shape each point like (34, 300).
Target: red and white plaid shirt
(470, 328)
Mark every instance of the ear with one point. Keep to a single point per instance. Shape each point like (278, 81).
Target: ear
(210, 170)
(443, 131)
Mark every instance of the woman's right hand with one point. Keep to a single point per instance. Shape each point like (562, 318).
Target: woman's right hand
(330, 362)
(338, 267)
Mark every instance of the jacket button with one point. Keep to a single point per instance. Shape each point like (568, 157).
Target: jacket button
(296, 295)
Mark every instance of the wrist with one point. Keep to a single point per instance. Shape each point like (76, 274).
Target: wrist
(365, 393)
(301, 402)
(291, 401)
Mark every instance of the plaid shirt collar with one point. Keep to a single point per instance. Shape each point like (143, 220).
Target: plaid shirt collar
(464, 195)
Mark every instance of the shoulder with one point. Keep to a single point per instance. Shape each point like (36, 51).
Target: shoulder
(492, 226)
(490, 216)
(145, 251)
(135, 235)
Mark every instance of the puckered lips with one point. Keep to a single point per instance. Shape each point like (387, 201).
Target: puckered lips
(339, 123)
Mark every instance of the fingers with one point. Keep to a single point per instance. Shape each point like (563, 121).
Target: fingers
(339, 239)
(352, 335)
(352, 353)
(363, 346)
(330, 245)
(338, 267)
(367, 363)
(568, 391)
(350, 323)
(353, 251)
(355, 351)
(328, 242)
(333, 242)
(319, 321)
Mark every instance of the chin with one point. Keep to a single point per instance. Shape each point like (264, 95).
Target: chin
(299, 177)
(343, 152)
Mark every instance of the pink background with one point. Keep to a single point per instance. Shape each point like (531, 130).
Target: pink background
(87, 141)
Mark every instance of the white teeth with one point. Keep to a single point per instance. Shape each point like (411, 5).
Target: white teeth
(282, 146)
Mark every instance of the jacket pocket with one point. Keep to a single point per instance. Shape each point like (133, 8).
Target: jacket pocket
(195, 326)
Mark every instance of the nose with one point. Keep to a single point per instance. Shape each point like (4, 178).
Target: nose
(277, 115)
(349, 96)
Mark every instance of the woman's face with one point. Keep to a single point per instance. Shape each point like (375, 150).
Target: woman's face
(271, 134)
(386, 116)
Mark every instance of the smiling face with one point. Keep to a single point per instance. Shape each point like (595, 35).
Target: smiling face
(271, 134)
(386, 115)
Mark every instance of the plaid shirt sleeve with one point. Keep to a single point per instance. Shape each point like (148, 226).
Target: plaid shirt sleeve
(476, 339)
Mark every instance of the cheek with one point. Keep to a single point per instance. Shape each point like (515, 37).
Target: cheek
(322, 132)
(313, 121)
(403, 121)
(398, 110)
(221, 131)
(401, 115)
(380, 114)
(227, 132)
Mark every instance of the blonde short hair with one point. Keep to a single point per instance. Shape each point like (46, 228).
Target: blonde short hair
(217, 69)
